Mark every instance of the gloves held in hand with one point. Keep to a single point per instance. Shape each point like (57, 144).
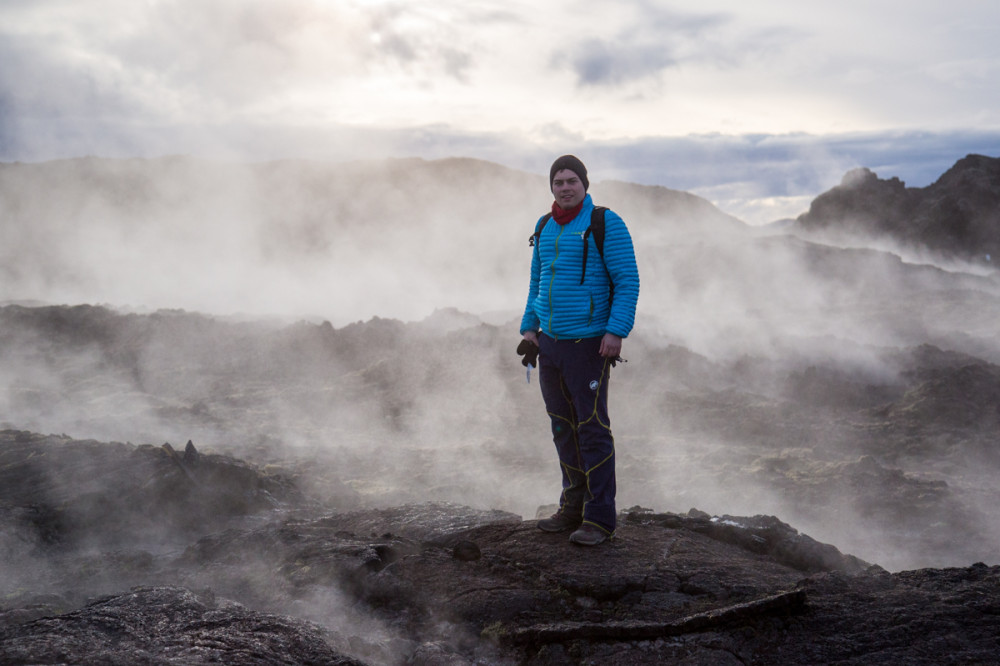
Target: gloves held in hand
(529, 350)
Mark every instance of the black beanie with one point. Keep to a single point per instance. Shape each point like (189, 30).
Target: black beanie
(572, 163)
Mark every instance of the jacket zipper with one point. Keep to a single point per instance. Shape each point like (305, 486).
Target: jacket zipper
(552, 271)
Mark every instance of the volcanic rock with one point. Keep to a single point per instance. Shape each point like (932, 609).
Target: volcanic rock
(164, 626)
(386, 586)
(958, 215)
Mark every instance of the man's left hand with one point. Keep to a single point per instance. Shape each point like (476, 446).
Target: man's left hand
(611, 346)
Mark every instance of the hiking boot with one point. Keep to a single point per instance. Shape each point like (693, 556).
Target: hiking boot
(588, 535)
(559, 522)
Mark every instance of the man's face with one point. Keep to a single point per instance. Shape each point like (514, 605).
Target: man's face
(568, 189)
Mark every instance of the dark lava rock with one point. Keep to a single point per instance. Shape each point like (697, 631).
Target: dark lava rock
(467, 551)
(761, 534)
(162, 626)
(928, 616)
(72, 492)
(958, 215)
(438, 583)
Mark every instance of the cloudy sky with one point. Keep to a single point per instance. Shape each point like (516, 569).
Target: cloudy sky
(758, 106)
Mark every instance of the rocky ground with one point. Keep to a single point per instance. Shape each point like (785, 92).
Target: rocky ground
(197, 558)
(253, 491)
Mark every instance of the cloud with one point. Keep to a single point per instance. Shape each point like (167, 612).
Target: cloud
(644, 47)
(229, 57)
(217, 61)
(655, 39)
(599, 62)
(752, 176)
(424, 42)
(764, 106)
(489, 66)
(41, 80)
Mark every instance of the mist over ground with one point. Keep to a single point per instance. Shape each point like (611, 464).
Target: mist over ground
(358, 322)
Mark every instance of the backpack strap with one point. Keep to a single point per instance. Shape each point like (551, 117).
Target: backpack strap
(533, 238)
(597, 229)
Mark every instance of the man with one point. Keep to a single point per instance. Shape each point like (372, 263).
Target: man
(580, 306)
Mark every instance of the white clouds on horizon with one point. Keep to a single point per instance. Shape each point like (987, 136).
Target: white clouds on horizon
(688, 99)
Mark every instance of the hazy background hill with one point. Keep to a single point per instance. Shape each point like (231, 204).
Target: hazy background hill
(838, 385)
(404, 238)
(345, 242)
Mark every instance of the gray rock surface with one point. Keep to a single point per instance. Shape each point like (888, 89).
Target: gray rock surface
(166, 626)
(289, 582)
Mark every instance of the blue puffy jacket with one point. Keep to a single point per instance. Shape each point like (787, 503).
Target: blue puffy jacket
(563, 308)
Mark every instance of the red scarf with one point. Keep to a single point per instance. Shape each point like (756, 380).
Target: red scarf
(565, 216)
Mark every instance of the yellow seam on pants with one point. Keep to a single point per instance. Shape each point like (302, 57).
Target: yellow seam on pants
(610, 455)
(562, 499)
(570, 467)
(575, 427)
(589, 491)
(593, 415)
(587, 473)
(572, 425)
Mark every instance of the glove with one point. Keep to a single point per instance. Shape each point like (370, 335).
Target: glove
(529, 350)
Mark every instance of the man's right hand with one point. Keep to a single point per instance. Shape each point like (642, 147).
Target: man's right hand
(528, 350)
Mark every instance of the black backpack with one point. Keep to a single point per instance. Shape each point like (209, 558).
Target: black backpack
(596, 229)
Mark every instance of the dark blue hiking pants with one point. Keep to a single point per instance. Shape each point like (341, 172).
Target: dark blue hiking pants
(574, 380)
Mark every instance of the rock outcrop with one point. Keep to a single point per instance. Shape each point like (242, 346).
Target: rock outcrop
(956, 216)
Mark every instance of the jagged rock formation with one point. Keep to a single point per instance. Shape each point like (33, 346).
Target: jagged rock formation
(957, 216)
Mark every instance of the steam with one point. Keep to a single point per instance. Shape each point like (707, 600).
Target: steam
(345, 246)
(437, 408)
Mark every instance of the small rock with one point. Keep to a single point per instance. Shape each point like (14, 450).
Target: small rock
(190, 453)
(466, 551)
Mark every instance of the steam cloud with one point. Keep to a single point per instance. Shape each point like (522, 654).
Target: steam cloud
(729, 320)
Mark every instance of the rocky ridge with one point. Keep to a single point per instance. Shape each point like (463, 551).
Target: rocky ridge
(958, 215)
